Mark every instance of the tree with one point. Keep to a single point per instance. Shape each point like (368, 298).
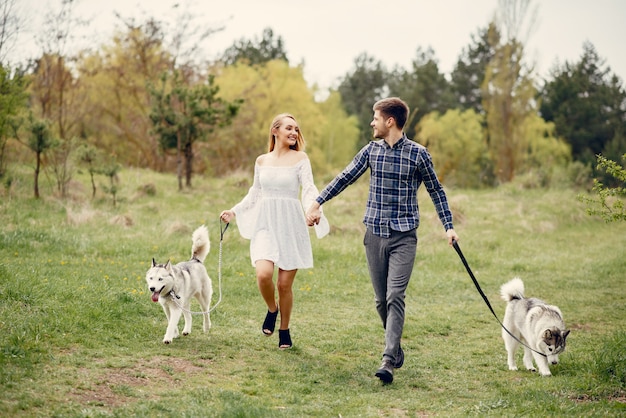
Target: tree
(457, 144)
(57, 94)
(13, 99)
(588, 106)
(337, 138)
(40, 140)
(89, 156)
(255, 52)
(183, 114)
(508, 91)
(10, 26)
(425, 89)
(116, 79)
(267, 90)
(469, 71)
(544, 151)
(360, 89)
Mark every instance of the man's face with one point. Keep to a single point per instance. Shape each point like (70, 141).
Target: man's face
(379, 124)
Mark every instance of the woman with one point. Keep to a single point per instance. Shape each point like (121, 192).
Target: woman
(271, 216)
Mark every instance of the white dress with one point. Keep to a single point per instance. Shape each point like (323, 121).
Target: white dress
(272, 217)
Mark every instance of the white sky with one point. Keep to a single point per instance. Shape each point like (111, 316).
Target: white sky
(327, 35)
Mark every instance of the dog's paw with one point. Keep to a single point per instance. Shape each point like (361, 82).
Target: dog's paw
(185, 333)
(513, 368)
(166, 341)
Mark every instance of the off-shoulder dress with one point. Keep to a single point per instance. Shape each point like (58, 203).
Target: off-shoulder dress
(271, 215)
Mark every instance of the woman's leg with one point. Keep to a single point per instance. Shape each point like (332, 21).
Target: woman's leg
(285, 295)
(264, 279)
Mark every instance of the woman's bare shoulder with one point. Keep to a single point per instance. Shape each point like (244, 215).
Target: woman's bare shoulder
(261, 159)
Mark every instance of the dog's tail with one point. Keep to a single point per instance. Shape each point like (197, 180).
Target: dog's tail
(201, 244)
(513, 289)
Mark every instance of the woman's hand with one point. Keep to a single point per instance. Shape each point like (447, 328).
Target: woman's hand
(227, 215)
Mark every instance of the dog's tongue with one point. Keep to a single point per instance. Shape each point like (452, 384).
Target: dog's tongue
(155, 297)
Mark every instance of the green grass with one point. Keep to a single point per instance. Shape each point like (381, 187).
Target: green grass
(80, 337)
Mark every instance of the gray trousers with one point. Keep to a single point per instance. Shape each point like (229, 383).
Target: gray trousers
(390, 261)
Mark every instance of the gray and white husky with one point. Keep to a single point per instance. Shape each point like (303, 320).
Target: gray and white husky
(174, 285)
(536, 323)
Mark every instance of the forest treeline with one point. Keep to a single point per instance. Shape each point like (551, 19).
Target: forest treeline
(144, 98)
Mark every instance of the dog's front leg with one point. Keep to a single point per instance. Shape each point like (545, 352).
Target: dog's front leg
(528, 360)
(542, 365)
(172, 325)
(188, 320)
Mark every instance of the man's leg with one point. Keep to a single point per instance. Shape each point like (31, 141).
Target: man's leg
(377, 262)
(390, 262)
(402, 249)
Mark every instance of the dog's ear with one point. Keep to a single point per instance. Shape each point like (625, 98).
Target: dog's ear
(168, 265)
(153, 263)
(565, 334)
(547, 334)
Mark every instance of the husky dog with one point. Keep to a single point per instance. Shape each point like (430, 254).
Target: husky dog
(174, 285)
(536, 323)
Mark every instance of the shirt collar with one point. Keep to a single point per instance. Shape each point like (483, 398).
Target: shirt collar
(398, 144)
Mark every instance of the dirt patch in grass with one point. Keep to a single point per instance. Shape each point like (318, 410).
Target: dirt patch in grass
(115, 386)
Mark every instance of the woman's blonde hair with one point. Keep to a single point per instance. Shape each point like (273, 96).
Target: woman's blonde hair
(277, 123)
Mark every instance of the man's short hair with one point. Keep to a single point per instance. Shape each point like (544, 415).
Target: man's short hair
(393, 107)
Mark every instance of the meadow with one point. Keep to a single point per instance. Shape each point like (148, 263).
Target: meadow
(80, 337)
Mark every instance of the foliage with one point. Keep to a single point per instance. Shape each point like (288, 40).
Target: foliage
(508, 94)
(13, 100)
(360, 89)
(424, 88)
(40, 140)
(587, 105)
(609, 202)
(90, 156)
(184, 113)
(267, 90)
(336, 140)
(469, 71)
(457, 144)
(545, 153)
(255, 52)
(101, 97)
(111, 170)
(116, 77)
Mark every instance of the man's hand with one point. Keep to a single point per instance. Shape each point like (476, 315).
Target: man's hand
(452, 236)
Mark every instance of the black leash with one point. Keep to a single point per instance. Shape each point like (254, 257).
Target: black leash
(455, 244)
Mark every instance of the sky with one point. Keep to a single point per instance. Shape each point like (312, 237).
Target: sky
(327, 35)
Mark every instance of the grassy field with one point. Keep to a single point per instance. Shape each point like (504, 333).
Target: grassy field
(80, 337)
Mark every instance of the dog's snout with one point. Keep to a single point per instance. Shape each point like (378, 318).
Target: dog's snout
(152, 289)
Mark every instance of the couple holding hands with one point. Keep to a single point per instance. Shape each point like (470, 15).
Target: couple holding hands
(272, 218)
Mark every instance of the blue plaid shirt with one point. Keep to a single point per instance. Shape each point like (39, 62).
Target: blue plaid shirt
(396, 174)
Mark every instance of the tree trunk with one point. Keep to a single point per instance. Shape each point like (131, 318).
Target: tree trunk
(179, 163)
(37, 167)
(189, 163)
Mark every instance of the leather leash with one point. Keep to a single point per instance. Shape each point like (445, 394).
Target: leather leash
(455, 244)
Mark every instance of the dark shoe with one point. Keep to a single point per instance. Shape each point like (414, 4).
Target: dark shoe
(284, 339)
(270, 323)
(385, 372)
(399, 358)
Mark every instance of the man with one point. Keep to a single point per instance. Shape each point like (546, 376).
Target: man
(398, 166)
